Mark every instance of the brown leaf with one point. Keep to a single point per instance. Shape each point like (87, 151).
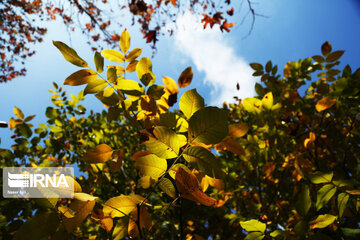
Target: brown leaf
(185, 77)
(326, 48)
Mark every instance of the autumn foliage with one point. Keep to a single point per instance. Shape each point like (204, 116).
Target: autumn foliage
(280, 165)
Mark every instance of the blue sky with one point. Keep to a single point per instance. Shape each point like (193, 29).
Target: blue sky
(293, 29)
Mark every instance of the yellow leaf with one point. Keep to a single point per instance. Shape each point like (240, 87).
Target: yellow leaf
(66, 212)
(145, 222)
(353, 192)
(310, 139)
(144, 71)
(82, 210)
(18, 113)
(287, 69)
(125, 41)
(106, 222)
(140, 154)
(151, 165)
(120, 206)
(136, 52)
(170, 85)
(322, 221)
(252, 105)
(113, 55)
(238, 130)
(70, 54)
(99, 154)
(146, 182)
(132, 66)
(268, 100)
(81, 77)
(324, 104)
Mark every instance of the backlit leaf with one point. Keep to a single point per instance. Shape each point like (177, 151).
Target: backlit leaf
(168, 187)
(113, 55)
(81, 77)
(253, 226)
(84, 197)
(238, 130)
(130, 87)
(341, 203)
(82, 209)
(144, 71)
(95, 86)
(324, 104)
(252, 105)
(255, 236)
(133, 54)
(121, 206)
(165, 144)
(208, 125)
(100, 154)
(151, 165)
(325, 193)
(170, 85)
(185, 77)
(267, 101)
(326, 48)
(322, 221)
(156, 91)
(190, 102)
(132, 66)
(18, 113)
(319, 177)
(99, 62)
(70, 54)
(125, 41)
(188, 187)
(204, 161)
(121, 229)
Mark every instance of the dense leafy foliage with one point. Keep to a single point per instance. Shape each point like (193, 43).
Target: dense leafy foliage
(281, 165)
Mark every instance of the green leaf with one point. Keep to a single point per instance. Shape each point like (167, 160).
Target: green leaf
(322, 221)
(144, 71)
(254, 236)
(304, 201)
(125, 41)
(133, 54)
(185, 77)
(253, 226)
(110, 101)
(320, 177)
(111, 74)
(259, 90)
(151, 165)
(256, 66)
(25, 130)
(70, 54)
(156, 91)
(279, 234)
(349, 232)
(341, 203)
(40, 226)
(113, 55)
(268, 66)
(190, 102)
(99, 62)
(325, 193)
(95, 86)
(120, 229)
(168, 187)
(130, 87)
(18, 113)
(204, 161)
(208, 125)
(334, 56)
(100, 154)
(301, 228)
(165, 144)
(81, 77)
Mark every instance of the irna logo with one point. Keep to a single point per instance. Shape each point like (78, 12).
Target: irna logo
(36, 180)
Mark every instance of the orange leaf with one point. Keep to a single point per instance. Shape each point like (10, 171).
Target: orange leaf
(324, 104)
(188, 187)
(185, 77)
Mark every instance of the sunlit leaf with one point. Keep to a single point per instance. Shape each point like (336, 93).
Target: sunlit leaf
(125, 41)
(113, 55)
(204, 161)
(253, 226)
(81, 77)
(95, 86)
(190, 102)
(144, 71)
(267, 101)
(252, 105)
(319, 177)
(120, 206)
(121, 229)
(130, 87)
(82, 209)
(325, 193)
(170, 85)
(188, 187)
(168, 187)
(133, 54)
(84, 197)
(342, 202)
(304, 201)
(18, 113)
(208, 125)
(151, 165)
(132, 66)
(324, 104)
(70, 54)
(238, 130)
(156, 91)
(100, 154)
(322, 221)
(106, 222)
(146, 181)
(254, 236)
(185, 77)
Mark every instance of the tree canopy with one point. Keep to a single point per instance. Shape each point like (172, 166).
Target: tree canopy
(21, 26)
(283, 164)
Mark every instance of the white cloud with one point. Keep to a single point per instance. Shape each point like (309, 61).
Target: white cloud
(212, 54)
